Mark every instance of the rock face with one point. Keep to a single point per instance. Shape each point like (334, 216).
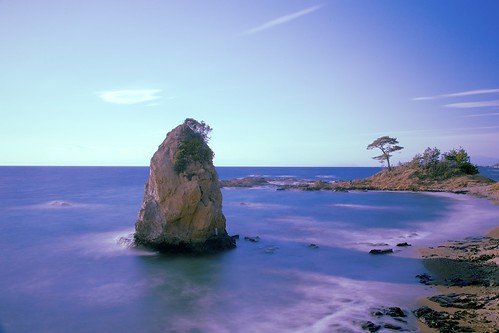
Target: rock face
(182, 206)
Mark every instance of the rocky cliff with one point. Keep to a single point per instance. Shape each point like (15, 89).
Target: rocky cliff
(182, 206)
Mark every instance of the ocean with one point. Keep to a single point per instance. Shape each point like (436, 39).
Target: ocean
(63, 267)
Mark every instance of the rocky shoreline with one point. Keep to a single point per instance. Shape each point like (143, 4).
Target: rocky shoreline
(474, 185)
(466, 276)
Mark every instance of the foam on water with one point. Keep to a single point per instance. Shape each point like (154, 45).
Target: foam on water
(356, 206)
(258, 205)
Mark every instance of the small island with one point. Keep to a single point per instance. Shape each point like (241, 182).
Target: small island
(430, 171)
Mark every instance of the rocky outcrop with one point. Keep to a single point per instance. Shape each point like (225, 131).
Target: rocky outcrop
(466, 272)
(182, 206)
(400, 178)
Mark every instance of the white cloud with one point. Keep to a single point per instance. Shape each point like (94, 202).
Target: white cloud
(467, 105)
(459, 94)
(282, 20)
(129, 96)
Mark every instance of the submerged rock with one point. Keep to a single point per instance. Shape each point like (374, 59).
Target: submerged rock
(252, 239)
(182, 206)
(381, 251)
(424, 278)
(387, 319)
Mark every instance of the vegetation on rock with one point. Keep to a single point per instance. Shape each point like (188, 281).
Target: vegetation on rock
(193, 146)
(429, 171)
(433, 164)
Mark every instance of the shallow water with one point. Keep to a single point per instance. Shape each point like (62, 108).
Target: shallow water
(63, 269)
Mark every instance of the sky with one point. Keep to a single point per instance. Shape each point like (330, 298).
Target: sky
(281, 82)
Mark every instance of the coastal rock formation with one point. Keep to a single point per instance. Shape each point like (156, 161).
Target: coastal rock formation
(182, 206)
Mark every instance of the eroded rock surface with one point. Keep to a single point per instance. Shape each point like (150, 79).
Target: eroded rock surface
(182, 206)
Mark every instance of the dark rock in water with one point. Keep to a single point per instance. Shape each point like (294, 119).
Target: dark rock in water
(395, 312)
(313, 246)
(392, 327)
(182, 206)
(381, 251)
(235, 236)
(244, 182)
(404, 244)
(370, 326)
(387, 318)
(424, 278)
(252, 239)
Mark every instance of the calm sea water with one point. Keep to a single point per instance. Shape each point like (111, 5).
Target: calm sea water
(63, 270)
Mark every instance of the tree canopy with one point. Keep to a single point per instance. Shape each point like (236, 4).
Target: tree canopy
(387, 145)
(433, 164)
(200, 128)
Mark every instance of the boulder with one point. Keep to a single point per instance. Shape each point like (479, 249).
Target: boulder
(182, 206)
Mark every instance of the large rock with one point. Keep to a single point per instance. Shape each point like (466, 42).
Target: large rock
(182, 206)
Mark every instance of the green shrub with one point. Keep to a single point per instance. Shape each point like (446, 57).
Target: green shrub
(433, 165)
(192, 148)
(462, 161)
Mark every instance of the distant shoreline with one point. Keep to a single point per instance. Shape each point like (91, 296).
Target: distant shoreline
(396, 180)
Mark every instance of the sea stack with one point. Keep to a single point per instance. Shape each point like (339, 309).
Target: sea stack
(182, 206)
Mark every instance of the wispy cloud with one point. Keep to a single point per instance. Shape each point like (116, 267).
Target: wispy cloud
(129, 96)
(467, 105)
(480, 115)
(458, 94)
(426, 98)
(282, 20)
(473, 92)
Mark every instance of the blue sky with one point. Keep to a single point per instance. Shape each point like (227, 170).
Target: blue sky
(282, 82)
